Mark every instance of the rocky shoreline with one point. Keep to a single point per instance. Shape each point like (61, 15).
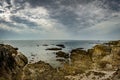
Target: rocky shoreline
(102, 62)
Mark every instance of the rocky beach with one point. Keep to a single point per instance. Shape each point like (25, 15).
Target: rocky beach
(101, 62)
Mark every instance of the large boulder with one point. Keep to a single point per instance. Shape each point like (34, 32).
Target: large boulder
(11, 62)
(78, 54)
(101, 50)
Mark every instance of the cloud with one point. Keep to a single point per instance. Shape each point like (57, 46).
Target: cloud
(105, 30)
(53, 18)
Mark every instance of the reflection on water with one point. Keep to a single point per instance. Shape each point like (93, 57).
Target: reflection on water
(35, 50)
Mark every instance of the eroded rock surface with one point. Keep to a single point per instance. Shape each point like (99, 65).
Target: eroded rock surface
(101, 62)
(11, 63)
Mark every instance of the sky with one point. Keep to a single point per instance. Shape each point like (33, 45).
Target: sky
(60, 19)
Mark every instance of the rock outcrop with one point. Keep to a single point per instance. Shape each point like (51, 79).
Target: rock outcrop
(42, 71)
(97, 63)
(11, 63)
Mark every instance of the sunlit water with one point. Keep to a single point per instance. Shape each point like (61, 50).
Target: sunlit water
(35, 51)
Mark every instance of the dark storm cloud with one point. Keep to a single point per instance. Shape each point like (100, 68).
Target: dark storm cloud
(74, 15)
(112, 4)
(68, 17)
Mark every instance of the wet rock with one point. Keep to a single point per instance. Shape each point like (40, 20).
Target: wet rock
(62, 54)
(11, 62)
(33, 55)
(77, 54)
(37, 45)
(60, 60)
(61, 45)
(78, 50)
(54, 49)
(45, 45)
(16, 48)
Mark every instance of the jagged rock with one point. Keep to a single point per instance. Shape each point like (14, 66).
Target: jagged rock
(11, 62)
(62, 54)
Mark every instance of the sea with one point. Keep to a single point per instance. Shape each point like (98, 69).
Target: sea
(35, 50)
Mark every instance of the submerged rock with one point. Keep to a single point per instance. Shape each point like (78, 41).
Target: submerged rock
(45, 45)
(11, 62)
(54, 49)
(61, 45)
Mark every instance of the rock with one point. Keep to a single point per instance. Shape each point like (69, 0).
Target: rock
(62, 54)
(105, 65)
(61, 45)
(41, 71)
(37, 45)
(11, 62)
(60, 60)
(80, 62)
(21, 60)
(101, 50)
(90, 53)
(114, 42)
(16, 48)
(54, 49)
(77, 54)
(45, 45)
(33, 55)
(78, 50)
(116, 75)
